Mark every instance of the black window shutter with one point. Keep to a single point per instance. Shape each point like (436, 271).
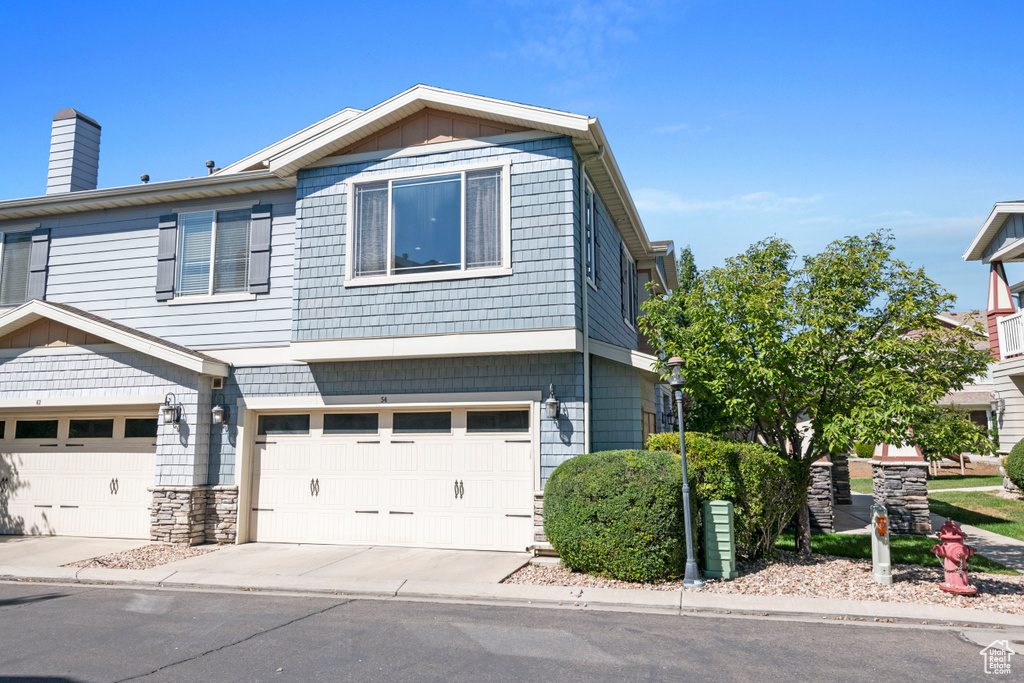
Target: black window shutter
(622, 278)
(166, 250)
(597, 249)
(39, 259)
(259, 249)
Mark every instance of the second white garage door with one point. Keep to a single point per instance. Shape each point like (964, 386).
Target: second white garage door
(441, 478)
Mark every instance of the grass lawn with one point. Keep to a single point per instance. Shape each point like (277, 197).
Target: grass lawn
(905, 550)
(952, 481)
(983, 510)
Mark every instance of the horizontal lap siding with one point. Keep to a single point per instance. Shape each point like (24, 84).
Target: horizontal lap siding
(1011, 425)
(105, 263)
(535, 372)
(615, 418)
(542, 292)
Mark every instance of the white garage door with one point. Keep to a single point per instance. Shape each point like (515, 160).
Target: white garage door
(80, 475)
(439, 479)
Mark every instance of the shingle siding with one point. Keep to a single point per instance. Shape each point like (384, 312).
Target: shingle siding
(105, 263)
(534, 372)
(541, 293)
(123, 374)
(615, 406)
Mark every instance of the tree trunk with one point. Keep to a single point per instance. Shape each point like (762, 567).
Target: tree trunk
(803, 531)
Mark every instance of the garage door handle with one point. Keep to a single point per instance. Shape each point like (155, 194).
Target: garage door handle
(460, 489)
(378, 441)
(114, 487)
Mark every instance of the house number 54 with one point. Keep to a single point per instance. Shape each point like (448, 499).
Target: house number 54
(383, 399)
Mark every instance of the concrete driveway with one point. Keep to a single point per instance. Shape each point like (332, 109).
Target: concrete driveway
(267, 561)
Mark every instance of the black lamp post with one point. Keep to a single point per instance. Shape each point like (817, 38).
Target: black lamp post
(691, 579)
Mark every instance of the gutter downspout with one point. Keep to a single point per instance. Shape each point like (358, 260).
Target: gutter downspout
(586, 292)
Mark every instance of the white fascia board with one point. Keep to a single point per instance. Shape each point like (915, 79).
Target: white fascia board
(490, 398)
(990, 227)
(137, 195)
(409, 102)
(431, 346)
(641, 361)
(36, 310)
(82, 401)
(254, 356)
(293, 140)
(642, 242)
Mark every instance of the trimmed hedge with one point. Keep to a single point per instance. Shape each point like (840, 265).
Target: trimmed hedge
(1014, 465)
(618, 514)
(863, 450)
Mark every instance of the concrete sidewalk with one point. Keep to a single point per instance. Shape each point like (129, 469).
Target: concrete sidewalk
(430, 575)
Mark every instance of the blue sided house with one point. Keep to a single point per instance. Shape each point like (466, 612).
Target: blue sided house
(386, 329)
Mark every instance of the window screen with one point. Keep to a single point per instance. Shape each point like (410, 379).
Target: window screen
(350, 423)
(498, 421)
(35, 429)
(483, 219)
(91, 429)
(422, 423)
(371, 229)
(283, 424)
(195, 236)
(140, 427)
(14, 268)
(231, 261)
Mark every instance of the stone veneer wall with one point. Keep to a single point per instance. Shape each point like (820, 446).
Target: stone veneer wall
(902, 487)
(538, 519)
(841, 479)
(819, 496)
(194, 515)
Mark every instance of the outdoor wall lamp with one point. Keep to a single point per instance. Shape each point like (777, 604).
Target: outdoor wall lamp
(691, 577)
(171, 410)
(998, 405)
(551, 404)
(221, 413)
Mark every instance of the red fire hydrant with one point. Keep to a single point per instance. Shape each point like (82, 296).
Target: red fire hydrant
(954, 554)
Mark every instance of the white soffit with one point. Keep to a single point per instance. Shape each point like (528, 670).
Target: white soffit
(990, 227)
(641, 361)
(36, 310)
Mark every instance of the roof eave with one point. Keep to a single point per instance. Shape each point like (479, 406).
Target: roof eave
(975, 252)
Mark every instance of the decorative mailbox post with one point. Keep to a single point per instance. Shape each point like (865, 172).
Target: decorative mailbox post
(954, 553)
(881, 565)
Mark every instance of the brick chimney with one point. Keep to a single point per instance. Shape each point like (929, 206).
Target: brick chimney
(74, 153)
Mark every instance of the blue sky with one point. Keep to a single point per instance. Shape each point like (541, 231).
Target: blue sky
(731, 121)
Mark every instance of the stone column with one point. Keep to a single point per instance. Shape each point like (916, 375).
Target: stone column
(819, 496)
(221, 514)
(841, 479)
(178, 514)
(902, 487)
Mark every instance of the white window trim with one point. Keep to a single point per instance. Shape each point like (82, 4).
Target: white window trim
(463, 273)
(209, 296)
(589, 237)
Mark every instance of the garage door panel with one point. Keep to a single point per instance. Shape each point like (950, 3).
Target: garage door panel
(437, 530)
(366, 526)
(403, 494)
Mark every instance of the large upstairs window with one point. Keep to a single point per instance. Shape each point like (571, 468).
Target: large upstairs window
(427, 227)
(213, 252)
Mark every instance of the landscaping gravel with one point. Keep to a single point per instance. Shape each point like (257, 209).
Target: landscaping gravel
(145, 557)
(820, 576)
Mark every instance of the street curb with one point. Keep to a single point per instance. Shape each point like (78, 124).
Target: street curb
(664, 602)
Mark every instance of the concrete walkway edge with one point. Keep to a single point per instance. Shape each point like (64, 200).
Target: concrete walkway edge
(667, 602)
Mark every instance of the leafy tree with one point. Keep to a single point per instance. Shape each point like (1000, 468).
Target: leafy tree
(842, 347)
(948, 430)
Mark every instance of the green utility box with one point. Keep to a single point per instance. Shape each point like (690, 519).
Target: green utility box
(719, 540)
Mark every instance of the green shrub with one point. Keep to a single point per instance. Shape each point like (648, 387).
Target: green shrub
(1014, 465)
(618, 514)
(863, 450)
(756, 479)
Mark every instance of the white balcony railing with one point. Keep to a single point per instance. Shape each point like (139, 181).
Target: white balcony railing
(1011, 335)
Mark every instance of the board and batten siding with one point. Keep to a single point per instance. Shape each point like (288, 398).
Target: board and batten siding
(541, 292)
(605, 302)
(105, 263)
(615, 406)
(1011, 231)
(560, 440)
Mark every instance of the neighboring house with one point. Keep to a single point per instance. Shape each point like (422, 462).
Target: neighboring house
(348, 336)
(1000, 241)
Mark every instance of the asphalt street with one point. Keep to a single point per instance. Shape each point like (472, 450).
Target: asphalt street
(86, 633)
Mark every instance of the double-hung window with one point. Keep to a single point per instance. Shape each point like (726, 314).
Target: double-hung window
(590, 232)
(213, 252)
(628, 280)
(448, 224)
(14, 262)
